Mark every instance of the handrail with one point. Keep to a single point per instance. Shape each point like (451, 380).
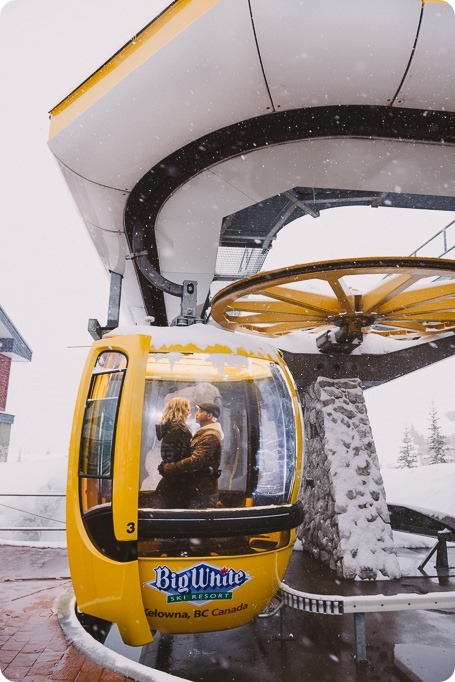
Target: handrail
(223, 522)
(445, 246)
(35, 528)
(55, 529)
(332, 604)
(32, 495)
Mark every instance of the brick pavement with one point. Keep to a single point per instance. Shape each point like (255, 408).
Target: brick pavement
(32, 645)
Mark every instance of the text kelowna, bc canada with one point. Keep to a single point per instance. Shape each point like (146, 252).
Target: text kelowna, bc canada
(197, 613)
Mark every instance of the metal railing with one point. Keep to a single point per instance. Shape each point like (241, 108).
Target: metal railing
(443, 234)
(336, 605)
(37, 515)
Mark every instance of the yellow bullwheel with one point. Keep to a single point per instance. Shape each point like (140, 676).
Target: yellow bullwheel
(341, 301)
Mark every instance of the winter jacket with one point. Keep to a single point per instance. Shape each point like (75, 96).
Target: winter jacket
(201, 467)
(176, 439)
(172, 492)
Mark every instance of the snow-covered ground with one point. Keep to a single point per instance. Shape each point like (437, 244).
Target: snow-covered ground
(43, 476)
(423, 488)
(429, 487)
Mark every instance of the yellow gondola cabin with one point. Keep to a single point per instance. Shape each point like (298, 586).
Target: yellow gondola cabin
(181, 570)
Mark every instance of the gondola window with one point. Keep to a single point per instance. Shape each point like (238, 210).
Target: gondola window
(258, 448)
(98, 430)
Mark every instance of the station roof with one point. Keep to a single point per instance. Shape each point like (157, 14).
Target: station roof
(223, 120)
(12, 343)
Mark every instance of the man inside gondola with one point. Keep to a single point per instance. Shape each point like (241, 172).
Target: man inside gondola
(202, 464)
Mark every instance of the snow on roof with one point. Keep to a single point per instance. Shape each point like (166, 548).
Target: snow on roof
(201, 338)
(12, 344)
(206, 336)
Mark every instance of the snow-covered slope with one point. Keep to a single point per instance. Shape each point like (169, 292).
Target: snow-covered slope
(428, 487)
(43, 476)
(32, 476)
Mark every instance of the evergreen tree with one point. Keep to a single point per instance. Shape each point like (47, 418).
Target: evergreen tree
(437, 442)
(408, 455)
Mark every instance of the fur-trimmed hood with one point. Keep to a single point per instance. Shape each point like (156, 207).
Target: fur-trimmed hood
(212, 426)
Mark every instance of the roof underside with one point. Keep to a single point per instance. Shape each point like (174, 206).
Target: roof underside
(210, 131)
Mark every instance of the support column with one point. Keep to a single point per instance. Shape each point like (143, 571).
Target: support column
(347, 524)
(5, 430)
(5, 368)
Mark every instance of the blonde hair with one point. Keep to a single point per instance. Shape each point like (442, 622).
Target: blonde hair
(176, 410)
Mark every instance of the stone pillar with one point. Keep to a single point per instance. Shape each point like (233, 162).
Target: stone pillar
(346, 525)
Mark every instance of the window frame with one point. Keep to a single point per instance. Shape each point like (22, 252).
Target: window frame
(83, 458)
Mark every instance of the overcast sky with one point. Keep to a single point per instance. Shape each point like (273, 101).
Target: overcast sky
(51, 278)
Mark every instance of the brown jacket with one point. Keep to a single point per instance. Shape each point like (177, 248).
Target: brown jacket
(202, 465)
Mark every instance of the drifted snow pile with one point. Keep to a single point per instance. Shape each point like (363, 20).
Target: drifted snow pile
(346, 523)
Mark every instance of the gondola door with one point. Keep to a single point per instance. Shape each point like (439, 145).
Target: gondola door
(103, 477)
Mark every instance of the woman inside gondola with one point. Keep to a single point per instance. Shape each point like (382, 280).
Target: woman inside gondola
(172, 491)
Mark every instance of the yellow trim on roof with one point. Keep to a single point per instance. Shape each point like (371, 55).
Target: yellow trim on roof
(173, 21)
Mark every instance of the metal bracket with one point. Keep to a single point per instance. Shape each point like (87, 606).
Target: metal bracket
(188, 314)
(136, 254)
(442, 562)
(339, 341)
(96, 331)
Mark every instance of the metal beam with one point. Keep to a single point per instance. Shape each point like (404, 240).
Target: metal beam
(96, 331)
(372, 370)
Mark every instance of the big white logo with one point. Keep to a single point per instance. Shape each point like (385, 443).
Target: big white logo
(199, 584)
